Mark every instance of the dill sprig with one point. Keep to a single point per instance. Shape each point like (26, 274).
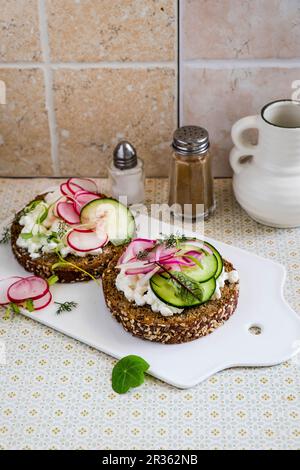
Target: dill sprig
(62, 229)
(5, 237)
(65, 306)
(173, 240)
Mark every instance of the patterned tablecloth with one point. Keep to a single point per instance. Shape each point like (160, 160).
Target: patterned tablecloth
(56, 392)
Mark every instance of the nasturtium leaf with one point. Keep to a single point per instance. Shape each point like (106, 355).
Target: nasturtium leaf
(128, 373)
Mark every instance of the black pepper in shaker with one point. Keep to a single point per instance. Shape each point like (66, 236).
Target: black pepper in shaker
(191, 181)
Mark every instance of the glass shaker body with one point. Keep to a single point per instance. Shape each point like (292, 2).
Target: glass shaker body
(127, 182)
(191, 190)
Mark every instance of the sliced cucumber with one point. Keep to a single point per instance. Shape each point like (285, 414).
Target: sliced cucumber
(219, 259)
(118, 222)
(169, 292)
(205, 269)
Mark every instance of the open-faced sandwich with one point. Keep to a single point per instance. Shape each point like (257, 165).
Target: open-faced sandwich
(170, 291)
(73, 231)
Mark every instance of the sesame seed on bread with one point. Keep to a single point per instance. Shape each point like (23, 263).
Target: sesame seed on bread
(191, 324)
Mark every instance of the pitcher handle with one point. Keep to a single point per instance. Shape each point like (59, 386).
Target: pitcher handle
(242, 146)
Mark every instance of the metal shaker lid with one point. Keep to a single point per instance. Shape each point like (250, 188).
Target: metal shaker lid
(191, 140)
(125, 156)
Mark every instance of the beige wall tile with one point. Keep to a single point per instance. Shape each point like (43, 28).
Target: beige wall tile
(24, 132)
(97, 108)
(19, 31)
(217, 29)
(215, 99)
(110, 30)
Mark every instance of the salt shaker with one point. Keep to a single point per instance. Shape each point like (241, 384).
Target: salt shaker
(190, 181)
(126, 174)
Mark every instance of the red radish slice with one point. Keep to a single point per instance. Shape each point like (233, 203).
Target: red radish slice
(86, 184)
(31, 287)
(66, 211)
(4, 285)
(82, 199)
(83, 230)
(43, 301)
(64, 189)
(86, 241)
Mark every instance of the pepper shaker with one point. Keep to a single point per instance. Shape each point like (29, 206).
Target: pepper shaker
(126, 174)
(191, 181)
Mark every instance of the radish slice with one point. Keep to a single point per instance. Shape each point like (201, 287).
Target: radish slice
(82, 198)
(43, 301)
(143, 270)
(4, 285)
(66, 211)
(86, 184)
(86, 241)
(31, 287)
(65, 190)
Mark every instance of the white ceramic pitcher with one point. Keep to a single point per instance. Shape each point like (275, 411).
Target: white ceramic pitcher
(267, 185)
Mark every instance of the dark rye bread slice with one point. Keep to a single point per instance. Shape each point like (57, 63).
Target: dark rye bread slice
(42, 266)
(179, 328)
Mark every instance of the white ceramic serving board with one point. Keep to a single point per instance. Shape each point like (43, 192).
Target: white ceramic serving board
(261, 303)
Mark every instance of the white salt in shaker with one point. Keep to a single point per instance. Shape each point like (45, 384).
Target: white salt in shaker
(126, 174)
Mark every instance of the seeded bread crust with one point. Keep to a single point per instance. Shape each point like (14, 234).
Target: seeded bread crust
(179, 328)
(42, 266)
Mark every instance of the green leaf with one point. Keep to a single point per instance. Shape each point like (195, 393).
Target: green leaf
(15, 307)
(43, 216)
(5, 237)
(29, 305)
(52, 279)
(32, 206)
(128, 373)
(26, 236)
(65, 306)
(187, 288)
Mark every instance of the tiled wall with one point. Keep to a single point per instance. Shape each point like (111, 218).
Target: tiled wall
(236, 55)
(82, 74)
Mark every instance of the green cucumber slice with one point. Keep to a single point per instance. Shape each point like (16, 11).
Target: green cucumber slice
(219, 259)
(205, 269)
(118, 221)
(171, 293)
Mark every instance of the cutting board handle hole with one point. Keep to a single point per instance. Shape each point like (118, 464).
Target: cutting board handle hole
(255, 330)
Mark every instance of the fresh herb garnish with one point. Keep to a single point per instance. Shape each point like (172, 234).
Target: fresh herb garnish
(129, 373)
(29, 305)
(15, 307)
(64, 264)
(65, 306)
(53, 237)
(173, 240)
(143, 254)
(26, 236)
(187, 288)
(43, 216)
(11, 308)
(31, 206)
(5, 237)
(52, 279)
(62, 229)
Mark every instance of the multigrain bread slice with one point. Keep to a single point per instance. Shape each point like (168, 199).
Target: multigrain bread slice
(42, 266)
(193, 323)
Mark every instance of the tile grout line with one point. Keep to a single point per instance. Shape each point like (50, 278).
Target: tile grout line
(240, 63)
(197, 63)
(180, 63)
(87, 65)
(48, 76)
